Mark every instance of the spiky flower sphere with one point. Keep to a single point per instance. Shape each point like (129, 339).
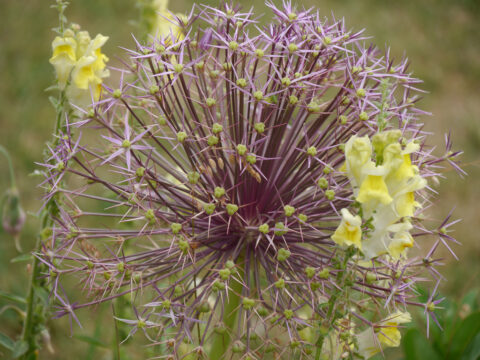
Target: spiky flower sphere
(255, 189)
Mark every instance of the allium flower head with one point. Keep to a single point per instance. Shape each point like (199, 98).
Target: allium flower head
(253, 188)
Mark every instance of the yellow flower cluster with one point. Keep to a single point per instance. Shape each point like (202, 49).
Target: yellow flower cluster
(385, 189)
(166, 25)
(371, 341)
(80, 65)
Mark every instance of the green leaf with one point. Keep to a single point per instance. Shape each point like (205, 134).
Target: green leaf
(471, 299)
(6, 342)
(91, 340)
(473, 350)
(23, 257)
(11, 297)
(54, 101)
(19, 348)
(416, 347)
(468, 329)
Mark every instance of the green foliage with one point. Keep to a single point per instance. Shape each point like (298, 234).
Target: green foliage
(459, 337)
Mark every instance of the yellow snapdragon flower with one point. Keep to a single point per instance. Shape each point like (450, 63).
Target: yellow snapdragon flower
(358, 153)
(374, 189)
(385, 189)
(63, 58)
(372, 341)
(349, 231)
(400, 243)
(166, 25)
(80, 65)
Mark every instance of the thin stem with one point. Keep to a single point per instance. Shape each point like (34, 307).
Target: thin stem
(220, 342)
(10, 165)
(332, 303)
(28, 331)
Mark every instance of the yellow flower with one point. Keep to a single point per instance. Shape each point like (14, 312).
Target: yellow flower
(401, 241)
(405, 204)
(374, 190)
(63, 58)
(349, 231)
(371, 342)
(100, 59)
(389, 334)
(83, 41)
(166, 25)
(84, 73)
(381, 140)
(358, 152)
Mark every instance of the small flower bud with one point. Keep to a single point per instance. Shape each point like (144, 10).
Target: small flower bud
(363, 116)
(259, 127)
(241, 82)
(324, 274)
(259, 53)
(117, 93)
(283, 254)
(286, 81)
(280, 284)
(322, 183)
(264, 228)
(178, 68)
(303, 218)
(140, 172)
(288, 210)
(241, 149)
(209, 208)
(258, 95)
(248, 303)
(212, 140)
(232, 209)
(288, 314)
(330, 194)
(251, 159)
(361, 92)
(238, 347)
(312, 151)
(13, 216)
(181, 136)
(310, 272)
(314, 107)
(175, 227)
(154, 89)
(193, 177)
(218, 192)
(218, 285)
(217, 128)
(224, 274)
(210, 102)
(281, 229)
(292, 47)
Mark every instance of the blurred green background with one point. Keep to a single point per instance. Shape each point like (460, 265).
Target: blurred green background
(440, 37)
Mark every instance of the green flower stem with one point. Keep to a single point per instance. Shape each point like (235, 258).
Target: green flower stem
(10, 165)
(30, 327)
(220, 342)
(28, 332)
(332, 302)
